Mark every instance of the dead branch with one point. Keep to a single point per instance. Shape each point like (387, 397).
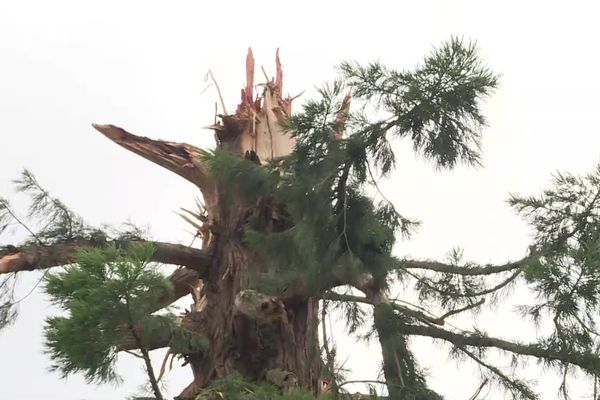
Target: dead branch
(181, 158)
(342, 116)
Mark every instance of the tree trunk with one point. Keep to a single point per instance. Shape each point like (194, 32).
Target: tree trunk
(261, 337)
(250, 333)
(273, 335)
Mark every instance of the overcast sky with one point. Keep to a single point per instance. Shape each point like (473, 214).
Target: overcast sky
(141, 65)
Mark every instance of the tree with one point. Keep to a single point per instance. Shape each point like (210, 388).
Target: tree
(288, 220)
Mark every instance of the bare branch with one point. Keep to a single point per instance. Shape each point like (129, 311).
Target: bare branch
(342, 115)
(181, 158)
(462, 309)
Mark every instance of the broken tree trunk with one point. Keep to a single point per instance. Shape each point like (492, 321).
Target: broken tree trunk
(261, 337)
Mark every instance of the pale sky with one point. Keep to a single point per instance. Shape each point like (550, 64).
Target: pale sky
(141, 65)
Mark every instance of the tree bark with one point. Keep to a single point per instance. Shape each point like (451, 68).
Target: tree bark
(249, 333)
(31, 257)
(193, 262)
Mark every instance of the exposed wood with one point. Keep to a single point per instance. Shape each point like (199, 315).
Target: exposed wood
(257, 125)
(258, 307)
(184, 281)
(342, 116)
(279, 76)
(249, 333)
(181, 158)
(248, 91)
(284, 379)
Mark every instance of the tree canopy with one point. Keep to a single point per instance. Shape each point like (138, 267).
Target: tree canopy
(325, 238)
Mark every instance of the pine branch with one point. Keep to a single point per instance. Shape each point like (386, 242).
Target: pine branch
(32, 257)
(195, 262)
(329, 355)
(457, 294)
(586, 361)
(513, 385)
(144, 350)
(405, 310)
(362, 381)
(467, 270)
(462, 309)
(59, 222)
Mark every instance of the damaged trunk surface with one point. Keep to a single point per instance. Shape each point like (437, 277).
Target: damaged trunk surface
(258, 336)
(264, 338)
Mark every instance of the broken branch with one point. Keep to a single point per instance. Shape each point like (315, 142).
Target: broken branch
(181, 158)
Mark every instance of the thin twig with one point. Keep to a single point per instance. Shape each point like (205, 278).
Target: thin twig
(479, 389)
(465, 308)
(362, 381)
(218, 91)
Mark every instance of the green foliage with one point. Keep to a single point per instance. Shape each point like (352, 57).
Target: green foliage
(354, 315)
(184, 341)
(47, 221)
(515, 386)
(54, 222)
(57, 222)
(8, 309)
(241, 177)
(338, 228)
(436, 105)
(566, 278)
(323, 182)
(454, 290)
(105, 294)
(235, 387)
(335, 231)
(399, 361)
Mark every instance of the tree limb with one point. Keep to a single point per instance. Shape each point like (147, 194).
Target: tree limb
(405, 310)
(196, 262)
(425, 281)
(467, 270)
(462, 309)
(32, 257)
(181, 158)
(586, 361)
